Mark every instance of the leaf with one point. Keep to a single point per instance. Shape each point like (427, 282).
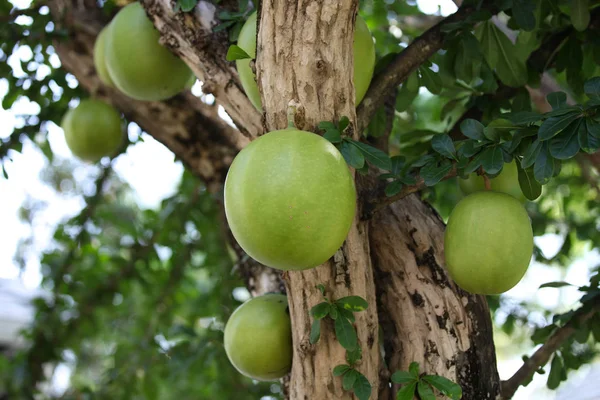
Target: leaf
(353, 303)
(592, 87)
(557, 99)
(405, 95)
(431, 80)
(552, 126)
(341, 369)
(523, 117)
(315, 331)
(492, 160)
(580, 14)
(333, 312)
(186, 5)
(425, 391)
(402, 377)
(566, 144)
(472, 129)
(443, 145)
(531, 154)
(373, 155)
(544, 166)
(407, 392)
(353, 356)
(541, 334)
(414, 368)
(523, 14)
(529, 186)
(333, 135)
(321, 288)
(327, 125)
(557, 284)
(349, 315)
(235, 52)
(393, 188)
(320, 310)
(445, 386)
(349, 379)
(362, 387)
(593, 127)
(432, 174)
(556, 372)
(343, 123)
(398, 163)
(352, 155)
(499, 129)
(345, 333)
(588, 142)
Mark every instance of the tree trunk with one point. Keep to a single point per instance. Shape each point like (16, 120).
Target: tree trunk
(395, 260)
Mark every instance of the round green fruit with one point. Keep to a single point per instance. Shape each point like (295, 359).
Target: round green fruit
(290, 199)
(93, 130)
(506, 182)
(138, 64)
(488, 242)
(100, 59)
(258, 338)
(364, 59)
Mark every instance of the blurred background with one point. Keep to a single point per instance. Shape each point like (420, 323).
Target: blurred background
(127, 223)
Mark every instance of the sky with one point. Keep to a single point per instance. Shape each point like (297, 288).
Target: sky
(149, 168)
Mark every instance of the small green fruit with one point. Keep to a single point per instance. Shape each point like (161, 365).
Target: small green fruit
(93, 130)
(506, 182)
(100, 59)
(258, 338)
(488, 242)
(364, 59)
(138, 64)
(290, 199)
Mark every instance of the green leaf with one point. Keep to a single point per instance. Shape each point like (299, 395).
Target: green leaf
(529, 186)
(443, 145)
(544, 166)
(186, 5)
(341, 370)
(552, 126)
(432, 173)
(557, 99)
(414, 368)
(321, 288)
(333, 135)
(580, 14)
(362, 387)
(345, 333)
(352, 303)
(588, 142)
(523, 117)
(531, 154)
(541, 334)
(353, 356)
(592, 87)
(593, 127)
(320, 310)
(343, 123)
(373, 155)
(556, 372)
(472, 129)
(445, 386)
(352, 155)
(407, 392)
(499, 129)
(406, 96)
(566, 144)
(557, 284)
(523, 14)
(398, 163)
(431, 80)
(349, 379)
(334, 312)
(315, 331)
(425, 391)
(349, 315)
(393, 188)
(327, 125)
(235, 52)
(402, 377)
(492, 160)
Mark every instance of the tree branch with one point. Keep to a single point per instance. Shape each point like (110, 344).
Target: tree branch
(543, 354)
(403, 65)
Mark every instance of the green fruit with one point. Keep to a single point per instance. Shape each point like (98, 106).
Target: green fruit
(258, 338)
(364, 59)
(290, 199)
(488, 242)
(138, 64)
(506, 182)
(100, 60)
(93, 130)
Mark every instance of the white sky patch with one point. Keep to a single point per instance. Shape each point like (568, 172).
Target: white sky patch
(446, 7)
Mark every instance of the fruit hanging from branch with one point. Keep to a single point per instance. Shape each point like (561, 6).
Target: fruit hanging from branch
(507, 182)
(100, 59)
(290, 199)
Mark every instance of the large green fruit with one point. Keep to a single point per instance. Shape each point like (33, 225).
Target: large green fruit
(100, 59)
(506, 182)
(258, 338)
(290, 199)
(138, 64)
(364, 59)
(488, 242)
(93, 130)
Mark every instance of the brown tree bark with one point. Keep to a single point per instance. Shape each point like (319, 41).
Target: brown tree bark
(395, 260)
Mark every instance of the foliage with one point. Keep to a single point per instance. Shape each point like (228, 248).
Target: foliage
(413, 382)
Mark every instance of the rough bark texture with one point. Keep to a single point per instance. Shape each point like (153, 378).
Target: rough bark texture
(305, 59)
(425, 317)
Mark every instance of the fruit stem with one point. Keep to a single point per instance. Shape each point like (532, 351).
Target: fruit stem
(487, 182)
(291, 113)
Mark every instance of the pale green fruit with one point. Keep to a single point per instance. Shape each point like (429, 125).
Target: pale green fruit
(506, 182)
(100, 59)
(258, 338)
(488, 242)
(290, 199)
(139, 65)
(93, 130)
